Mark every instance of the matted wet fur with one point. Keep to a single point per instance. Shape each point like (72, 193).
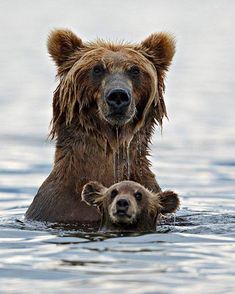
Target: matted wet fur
(127, 206)
(107, 103)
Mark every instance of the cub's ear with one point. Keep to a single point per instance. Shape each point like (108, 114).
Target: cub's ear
(169, 201)
(159, 48)
(62, 44)
(93, 193)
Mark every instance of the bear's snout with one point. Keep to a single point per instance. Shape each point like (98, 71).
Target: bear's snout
(117, 105)
(123, 210)
(118, 100)
(122, 206)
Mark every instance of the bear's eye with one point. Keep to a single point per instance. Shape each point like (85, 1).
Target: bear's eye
(138, 196)
(98, 70)
(114, 193)
(134, 71)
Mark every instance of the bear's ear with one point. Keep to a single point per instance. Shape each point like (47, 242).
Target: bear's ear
(93, 194)
(159, 48)
(169, 201)
(62, 44)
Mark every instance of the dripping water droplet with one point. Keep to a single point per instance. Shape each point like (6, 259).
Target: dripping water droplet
(139, 149)
(128, 160)
(114, 167)
(117, 168)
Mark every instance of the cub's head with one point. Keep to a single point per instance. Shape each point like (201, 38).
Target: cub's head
(109, 84)
(128, 206)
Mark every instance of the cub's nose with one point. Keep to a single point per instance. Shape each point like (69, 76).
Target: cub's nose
(118, 99)
(122, 205)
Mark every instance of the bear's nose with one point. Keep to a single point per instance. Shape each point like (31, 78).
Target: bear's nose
(118, 99)
(122, 205)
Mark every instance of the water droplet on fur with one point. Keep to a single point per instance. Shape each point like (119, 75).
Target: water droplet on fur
(128, 160)
(114, 167)
(121, 159)
(139, 154)
(118, 156)
(116, 159)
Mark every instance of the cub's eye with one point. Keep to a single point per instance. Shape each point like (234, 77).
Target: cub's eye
(138, 196)
(134, 71)
(114, 193)
(98, 70)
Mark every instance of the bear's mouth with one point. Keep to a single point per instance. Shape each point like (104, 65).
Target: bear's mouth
(118, 117)
(121, 213)
(122, 217)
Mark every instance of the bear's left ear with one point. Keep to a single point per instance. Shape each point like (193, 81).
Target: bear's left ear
(159, 48)
(93, 193)
(62, 44)
(169, 201)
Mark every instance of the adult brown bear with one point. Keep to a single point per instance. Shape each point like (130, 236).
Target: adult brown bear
(109, 98)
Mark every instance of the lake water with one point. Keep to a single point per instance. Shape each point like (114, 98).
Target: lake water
(195, 155)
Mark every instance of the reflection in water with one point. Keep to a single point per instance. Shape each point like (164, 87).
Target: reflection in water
(194, 156)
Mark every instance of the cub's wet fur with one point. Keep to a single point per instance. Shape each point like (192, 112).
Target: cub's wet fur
(127, 206)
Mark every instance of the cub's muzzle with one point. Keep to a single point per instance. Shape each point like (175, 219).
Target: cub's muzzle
(122, 206)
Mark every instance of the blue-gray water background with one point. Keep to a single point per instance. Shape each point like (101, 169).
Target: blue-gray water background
(195, 155)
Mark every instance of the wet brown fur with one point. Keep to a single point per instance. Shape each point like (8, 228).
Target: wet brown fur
(84, 141)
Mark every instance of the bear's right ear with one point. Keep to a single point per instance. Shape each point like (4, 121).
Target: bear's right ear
(159, 48)
(169, 201)
(93, 194)
(62, 44)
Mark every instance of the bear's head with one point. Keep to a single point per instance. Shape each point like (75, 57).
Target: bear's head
(106, 84)
(128, 206)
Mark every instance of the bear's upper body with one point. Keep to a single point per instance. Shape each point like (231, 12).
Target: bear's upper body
(128, 206)
(108, 100)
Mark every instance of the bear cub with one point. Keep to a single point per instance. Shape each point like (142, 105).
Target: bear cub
(127, 206)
